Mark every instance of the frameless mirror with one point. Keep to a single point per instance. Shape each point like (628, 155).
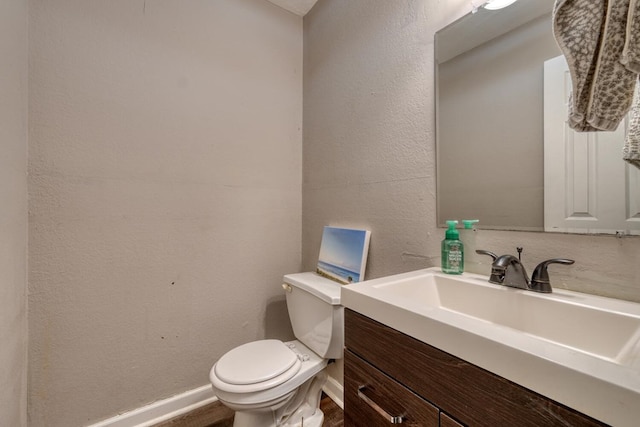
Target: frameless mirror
(492, 122)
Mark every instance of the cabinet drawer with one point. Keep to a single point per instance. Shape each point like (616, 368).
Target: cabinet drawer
(371, 399)
(470, 394)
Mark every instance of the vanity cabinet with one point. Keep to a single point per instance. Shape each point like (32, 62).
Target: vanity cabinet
(390, 374)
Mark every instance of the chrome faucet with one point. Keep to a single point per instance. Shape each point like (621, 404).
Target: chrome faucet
(508, 270)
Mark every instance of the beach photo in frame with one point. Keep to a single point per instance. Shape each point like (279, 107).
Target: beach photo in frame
(343, 254)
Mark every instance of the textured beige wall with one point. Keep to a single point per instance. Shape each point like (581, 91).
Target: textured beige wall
(165, 195)
(369, 149)
(13, 213)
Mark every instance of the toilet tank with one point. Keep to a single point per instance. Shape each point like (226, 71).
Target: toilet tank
(316, 315)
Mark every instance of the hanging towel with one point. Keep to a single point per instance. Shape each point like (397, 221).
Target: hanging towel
(631, 151)
(631, 51)
(591, 34)
(613, 85)
(577, 27)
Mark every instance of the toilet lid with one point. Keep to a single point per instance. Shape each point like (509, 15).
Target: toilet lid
(256, 362)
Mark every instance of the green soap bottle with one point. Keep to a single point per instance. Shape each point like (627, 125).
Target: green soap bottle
(452, 250)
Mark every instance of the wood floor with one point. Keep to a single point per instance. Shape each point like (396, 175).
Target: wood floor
(217, 415)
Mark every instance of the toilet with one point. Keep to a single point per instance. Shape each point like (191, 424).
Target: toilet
(272, 383)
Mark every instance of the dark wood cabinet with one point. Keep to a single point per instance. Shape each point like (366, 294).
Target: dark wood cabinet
(390, 374)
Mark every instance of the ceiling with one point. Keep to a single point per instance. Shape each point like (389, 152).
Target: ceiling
(299, 7)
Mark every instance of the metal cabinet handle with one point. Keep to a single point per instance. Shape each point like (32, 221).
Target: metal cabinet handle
(399, 419)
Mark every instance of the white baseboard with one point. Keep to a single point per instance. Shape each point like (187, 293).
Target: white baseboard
(165, 409)
(162, 410)
(335, 391)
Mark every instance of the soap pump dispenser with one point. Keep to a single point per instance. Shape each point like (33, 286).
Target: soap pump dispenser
(468, 234)
(452, 250)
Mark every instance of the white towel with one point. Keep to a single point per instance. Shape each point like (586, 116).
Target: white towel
(631, 151)
(591, 34)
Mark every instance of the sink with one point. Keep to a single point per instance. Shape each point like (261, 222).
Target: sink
(578, 349)
(580, 321)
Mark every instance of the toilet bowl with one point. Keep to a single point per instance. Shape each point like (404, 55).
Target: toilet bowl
(273, 383)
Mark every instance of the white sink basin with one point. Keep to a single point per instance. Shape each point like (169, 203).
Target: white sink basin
(580, 350)
(580, 321)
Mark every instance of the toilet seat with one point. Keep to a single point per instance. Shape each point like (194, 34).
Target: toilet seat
(256, 366)
(238, 395)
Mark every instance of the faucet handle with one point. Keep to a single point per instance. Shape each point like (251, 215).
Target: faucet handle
(483, 252)
(540, 278)
(497, 276)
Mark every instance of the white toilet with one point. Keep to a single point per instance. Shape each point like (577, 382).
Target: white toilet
(273, 383)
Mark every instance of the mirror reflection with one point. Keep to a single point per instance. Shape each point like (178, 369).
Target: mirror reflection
(492, 123)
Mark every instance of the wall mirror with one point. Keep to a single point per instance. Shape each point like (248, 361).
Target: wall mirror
(493, 121)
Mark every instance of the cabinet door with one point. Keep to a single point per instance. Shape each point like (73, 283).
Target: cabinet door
(372, 399)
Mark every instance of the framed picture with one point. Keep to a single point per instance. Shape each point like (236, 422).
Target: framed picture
(343, 254)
